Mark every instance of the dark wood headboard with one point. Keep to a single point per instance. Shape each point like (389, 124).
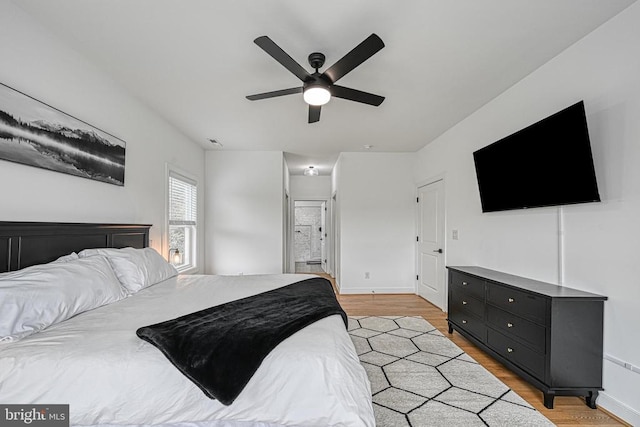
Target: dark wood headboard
(28, 243)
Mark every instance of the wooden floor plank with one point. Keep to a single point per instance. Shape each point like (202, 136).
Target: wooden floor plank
(568, 411)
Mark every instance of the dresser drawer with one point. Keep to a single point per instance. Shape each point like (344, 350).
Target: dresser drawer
(523, 304)
(511, 325)
(468, 284)
(516, 353)
(462, 301)
(470, 324)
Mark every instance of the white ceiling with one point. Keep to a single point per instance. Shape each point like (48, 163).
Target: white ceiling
(194, 61)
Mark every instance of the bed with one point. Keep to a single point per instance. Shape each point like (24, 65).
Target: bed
(94, 361)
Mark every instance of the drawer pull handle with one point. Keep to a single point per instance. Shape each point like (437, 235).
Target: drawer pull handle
(509, 325)
(464, 283)
(511, 300)
(464, 303)
(509, 349)
(464, 321)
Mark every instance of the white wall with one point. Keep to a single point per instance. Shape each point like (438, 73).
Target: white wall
(601, 239)
(310, 187)
(376, 222)
(244, 212)
(334, 261)
(35, 62)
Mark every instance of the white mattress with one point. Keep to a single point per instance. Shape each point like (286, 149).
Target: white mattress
(97, 364)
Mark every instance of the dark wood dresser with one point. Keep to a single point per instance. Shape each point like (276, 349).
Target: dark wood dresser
(549, 335)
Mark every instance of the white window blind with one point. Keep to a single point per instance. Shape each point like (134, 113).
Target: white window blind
(183, 200)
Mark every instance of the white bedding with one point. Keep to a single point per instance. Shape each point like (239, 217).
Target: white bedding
(97, 364)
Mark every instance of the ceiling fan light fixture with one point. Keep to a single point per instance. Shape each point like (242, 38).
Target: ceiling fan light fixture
(310, 171)
(316, 95)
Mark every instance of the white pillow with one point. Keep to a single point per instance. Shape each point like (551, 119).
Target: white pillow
(36, 297)
(66, 258)
(135, 268)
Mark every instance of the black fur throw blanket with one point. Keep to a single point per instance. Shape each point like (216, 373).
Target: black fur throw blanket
(221, 347)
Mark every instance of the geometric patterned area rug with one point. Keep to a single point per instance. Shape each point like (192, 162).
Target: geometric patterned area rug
(419, 377)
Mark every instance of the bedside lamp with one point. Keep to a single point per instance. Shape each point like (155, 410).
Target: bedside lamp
(175, 256)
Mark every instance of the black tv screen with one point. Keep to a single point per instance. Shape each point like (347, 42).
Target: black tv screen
(546, 164)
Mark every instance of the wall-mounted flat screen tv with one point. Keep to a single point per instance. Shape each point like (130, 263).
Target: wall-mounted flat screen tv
(546, 164)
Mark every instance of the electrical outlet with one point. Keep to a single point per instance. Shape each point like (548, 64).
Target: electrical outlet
(367, 275)
(454, 234)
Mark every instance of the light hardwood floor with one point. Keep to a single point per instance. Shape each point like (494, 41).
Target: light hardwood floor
(568, 411)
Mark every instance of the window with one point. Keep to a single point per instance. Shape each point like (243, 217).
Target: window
(183, 208)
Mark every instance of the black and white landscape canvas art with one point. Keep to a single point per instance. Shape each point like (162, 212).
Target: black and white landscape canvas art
(36, 134)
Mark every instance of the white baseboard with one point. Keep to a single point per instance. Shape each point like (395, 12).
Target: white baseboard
(618, 409)
(352, 291)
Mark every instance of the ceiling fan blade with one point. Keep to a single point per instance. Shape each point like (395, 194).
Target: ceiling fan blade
(282, 57)
(275, 93)
(356, 95)
(357, 56)
(314, 113)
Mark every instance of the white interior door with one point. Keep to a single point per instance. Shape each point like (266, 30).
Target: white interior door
(287, 266)
(323, 235)
(333, 252)
(430, 255)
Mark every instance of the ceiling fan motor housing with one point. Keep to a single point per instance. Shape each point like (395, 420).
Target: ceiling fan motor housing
(318, 80)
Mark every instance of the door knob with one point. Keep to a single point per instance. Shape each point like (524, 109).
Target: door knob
(438, 250)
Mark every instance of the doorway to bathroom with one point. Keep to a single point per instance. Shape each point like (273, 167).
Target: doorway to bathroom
(310, 236)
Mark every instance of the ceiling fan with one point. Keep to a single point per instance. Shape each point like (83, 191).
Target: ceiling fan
(318, 88)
